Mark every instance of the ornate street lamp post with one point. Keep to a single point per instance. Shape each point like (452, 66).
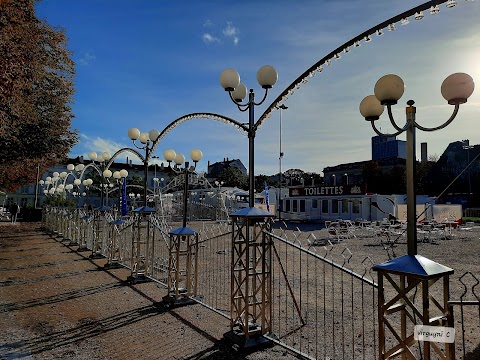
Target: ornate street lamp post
(280, 157)
(134, 198)
(147, 141)
(120, 177)
(142, 245)
(230, 80)
(182, 254)
(71, 216)
(250, 297)
(113, 247)
(388, 90)
(99, 162)
(466, 146)
(218, 209)
(415, 274)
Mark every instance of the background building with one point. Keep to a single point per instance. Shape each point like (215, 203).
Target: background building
(215, 169)
(388, 147)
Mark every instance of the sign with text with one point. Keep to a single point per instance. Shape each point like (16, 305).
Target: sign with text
(328, 190)
(434, 333)
(402, 212)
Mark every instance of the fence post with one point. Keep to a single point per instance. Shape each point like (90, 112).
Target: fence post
(182, 266)
(450, 348)
(142, 254)
(251, 276)
(416, 274)
(113, 251)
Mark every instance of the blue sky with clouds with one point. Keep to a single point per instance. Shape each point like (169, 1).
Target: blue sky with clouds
(145, 63)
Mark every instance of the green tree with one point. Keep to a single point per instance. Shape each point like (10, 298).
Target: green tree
(92, 173)
(36, 90)
(312, 178)
(136, 180)
(233, 177)
(424, 176)
(395, 181)
(372, 175)
(260, 182)
(294, 176)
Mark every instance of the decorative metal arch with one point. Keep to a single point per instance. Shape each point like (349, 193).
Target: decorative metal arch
(91, 165)
(203, 115)
(66, 177)
(173, 124)
(318, 67)
(133, 151)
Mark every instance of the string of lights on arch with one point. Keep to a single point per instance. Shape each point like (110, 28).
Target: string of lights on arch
(403, 19)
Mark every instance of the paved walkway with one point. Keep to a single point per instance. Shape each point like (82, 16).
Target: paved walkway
(56, 303)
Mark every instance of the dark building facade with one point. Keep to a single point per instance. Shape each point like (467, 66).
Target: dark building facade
(215, 169)
(388, 147)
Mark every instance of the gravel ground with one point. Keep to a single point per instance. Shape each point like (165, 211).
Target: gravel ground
(56, 303)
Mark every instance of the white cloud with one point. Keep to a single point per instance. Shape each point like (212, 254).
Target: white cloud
(208, 23)
(229, 32)
(209, 38)
(100, 145)
(86, 58)
(232, 32)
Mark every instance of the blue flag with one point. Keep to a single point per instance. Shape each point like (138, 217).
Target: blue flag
(124, 197)
(266, 197)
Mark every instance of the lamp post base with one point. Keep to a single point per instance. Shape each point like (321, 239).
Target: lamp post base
(255, 339)
(112, 265)
(138, 279)
(172, 301)
(412, 277)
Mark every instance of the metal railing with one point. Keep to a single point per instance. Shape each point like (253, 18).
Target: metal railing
(214, 263)
(324, 299)
(465, 310)
(471, 212)
(322, 307)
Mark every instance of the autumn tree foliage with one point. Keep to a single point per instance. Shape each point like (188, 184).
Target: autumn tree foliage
(36, 91)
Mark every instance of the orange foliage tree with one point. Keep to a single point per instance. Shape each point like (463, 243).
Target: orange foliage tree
(36, 91)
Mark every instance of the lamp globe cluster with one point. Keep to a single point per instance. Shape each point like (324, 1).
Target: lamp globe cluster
(456, 89)
(230, 80)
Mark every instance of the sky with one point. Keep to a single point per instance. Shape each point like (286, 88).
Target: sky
(145, 63)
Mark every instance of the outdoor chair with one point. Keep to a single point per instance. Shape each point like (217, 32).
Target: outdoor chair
(4, 216)
(337, 233)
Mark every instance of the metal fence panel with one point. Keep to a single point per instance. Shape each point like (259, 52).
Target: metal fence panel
(321, 307)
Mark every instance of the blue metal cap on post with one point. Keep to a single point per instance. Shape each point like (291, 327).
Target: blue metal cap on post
(182, 231)
(252, 212)
(415, 265)
(117, 222)
(145, 210)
